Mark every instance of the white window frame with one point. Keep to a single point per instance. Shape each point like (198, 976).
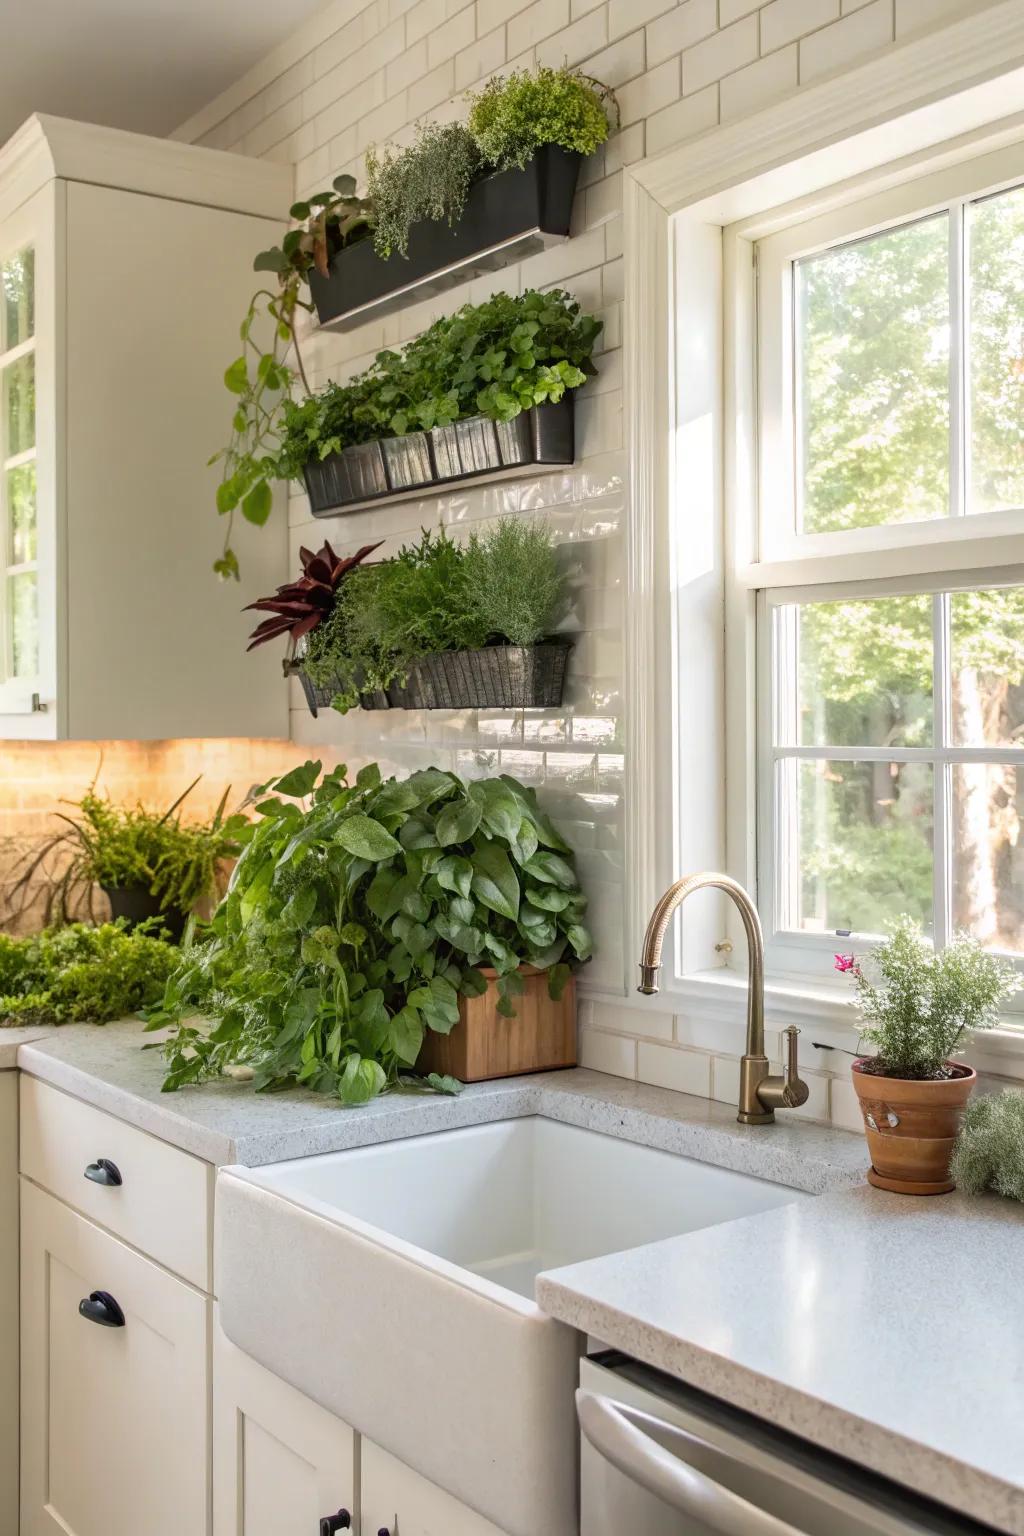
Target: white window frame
(966, 79)
(809, 556)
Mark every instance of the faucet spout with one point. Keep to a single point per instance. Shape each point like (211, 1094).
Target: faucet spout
(760, 1094)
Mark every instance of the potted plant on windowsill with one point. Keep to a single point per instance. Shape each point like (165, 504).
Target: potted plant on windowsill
(918, 1012)
(365, 918)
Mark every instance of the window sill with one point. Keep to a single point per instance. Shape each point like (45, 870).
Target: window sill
(723, 993)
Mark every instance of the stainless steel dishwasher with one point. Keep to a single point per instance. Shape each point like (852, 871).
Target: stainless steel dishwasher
(659, 1458)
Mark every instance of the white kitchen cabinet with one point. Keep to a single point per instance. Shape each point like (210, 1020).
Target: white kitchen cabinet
(8, 1304)
(115, 1432)
(125, 270)
(398, 1501)
(282, 1465)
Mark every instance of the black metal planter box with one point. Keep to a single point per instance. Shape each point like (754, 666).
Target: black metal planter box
(426, 460)
(507, 216)
(496, 677)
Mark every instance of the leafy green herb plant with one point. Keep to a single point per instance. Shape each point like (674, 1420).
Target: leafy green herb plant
(918, 1006)
(131, 846)
(517, 114)
(989, 1153)
(427, 181)
(357, 916)
(82, 974)
(512, 581)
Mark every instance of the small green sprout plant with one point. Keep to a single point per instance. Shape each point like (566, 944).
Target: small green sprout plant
(919, 1007)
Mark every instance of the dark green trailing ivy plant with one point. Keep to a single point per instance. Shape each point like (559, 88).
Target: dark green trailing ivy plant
(357, 916)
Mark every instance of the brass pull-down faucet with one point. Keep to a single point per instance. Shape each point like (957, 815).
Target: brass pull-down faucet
(761, 1094)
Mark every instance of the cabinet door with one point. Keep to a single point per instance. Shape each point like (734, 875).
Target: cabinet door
(115, 1419)
(8, 1304)
(281, 1463)
(29, 323)
(395, 1501)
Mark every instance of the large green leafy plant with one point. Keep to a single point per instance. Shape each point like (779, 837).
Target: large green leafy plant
(494, 359)
(356, 920)
(918, 1005)
(82, 974)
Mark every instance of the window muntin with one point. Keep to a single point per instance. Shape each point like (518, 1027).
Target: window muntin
(19, 604)
(897, 762)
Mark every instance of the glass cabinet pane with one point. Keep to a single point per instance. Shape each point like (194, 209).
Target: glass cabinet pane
(23, 595)
(19, 406)
(17, 278)
(21, 514)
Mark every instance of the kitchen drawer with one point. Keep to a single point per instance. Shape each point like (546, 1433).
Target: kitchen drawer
(115, 1419)
(164, 1202)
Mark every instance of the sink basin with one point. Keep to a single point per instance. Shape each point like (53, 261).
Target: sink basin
(394, 1285)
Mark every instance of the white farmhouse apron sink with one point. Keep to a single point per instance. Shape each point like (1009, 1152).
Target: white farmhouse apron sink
(394, 1285)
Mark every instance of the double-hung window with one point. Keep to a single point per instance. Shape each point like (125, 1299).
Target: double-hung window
(890, 452)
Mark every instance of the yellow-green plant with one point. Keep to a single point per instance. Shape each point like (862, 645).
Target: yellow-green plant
(517, 114)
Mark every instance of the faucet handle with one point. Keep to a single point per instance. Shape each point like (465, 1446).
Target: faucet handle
(794, 1091)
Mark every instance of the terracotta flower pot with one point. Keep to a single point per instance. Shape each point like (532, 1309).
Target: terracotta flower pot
(911, 1126)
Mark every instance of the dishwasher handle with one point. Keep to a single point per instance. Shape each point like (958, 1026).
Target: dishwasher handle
(632, 1442)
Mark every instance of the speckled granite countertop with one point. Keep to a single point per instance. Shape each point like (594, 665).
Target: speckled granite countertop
(11, 1041)
(885, 1328)
(226, 1122)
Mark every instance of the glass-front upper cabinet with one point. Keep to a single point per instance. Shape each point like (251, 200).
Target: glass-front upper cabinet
(27, 467)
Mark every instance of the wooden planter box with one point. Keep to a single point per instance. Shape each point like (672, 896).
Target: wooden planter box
(483, 1044)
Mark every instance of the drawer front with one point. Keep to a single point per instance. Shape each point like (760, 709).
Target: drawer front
(163, 1204)
(115, 1419)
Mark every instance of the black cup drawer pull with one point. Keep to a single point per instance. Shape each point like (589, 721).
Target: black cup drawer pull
(103, 1171)
(100, 1307)
(329, 1524)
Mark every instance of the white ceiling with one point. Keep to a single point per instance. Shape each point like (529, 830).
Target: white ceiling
(146, 65)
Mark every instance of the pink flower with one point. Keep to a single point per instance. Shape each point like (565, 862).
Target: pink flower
(846, 963)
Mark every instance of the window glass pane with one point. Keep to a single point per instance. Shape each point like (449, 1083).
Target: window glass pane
(988, 853)
(872, 358)
(987, 665)
(863, 842)
(995, 232)
(24, 608)
(21, 513)
(19, 406)
(865, 672)
(17, 278)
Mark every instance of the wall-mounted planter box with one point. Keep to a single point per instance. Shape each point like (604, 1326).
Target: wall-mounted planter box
(375, 471)
(507, 216)
(496, 677)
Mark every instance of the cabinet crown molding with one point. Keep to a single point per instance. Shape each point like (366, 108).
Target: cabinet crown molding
(46, 147)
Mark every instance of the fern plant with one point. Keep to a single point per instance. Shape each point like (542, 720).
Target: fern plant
(513, 582)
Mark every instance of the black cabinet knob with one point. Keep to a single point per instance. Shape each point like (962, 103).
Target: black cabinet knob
(100, 1307)
(342, 1521)
(103, 1171)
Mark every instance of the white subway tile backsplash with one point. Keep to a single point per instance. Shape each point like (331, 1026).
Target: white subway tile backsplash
(576, 42)
(608, 1053)
(846, 1106)
(678, 29)
(650, 92)
(784, 21)
(719, 55)
(668, 1067)
(650, 1023)
(622, 61)
(846, 41)
(537, 21)
(624, 15)
(480, 59)
(731, 10)
(760, 82)
(683, 120)
(451, 38)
